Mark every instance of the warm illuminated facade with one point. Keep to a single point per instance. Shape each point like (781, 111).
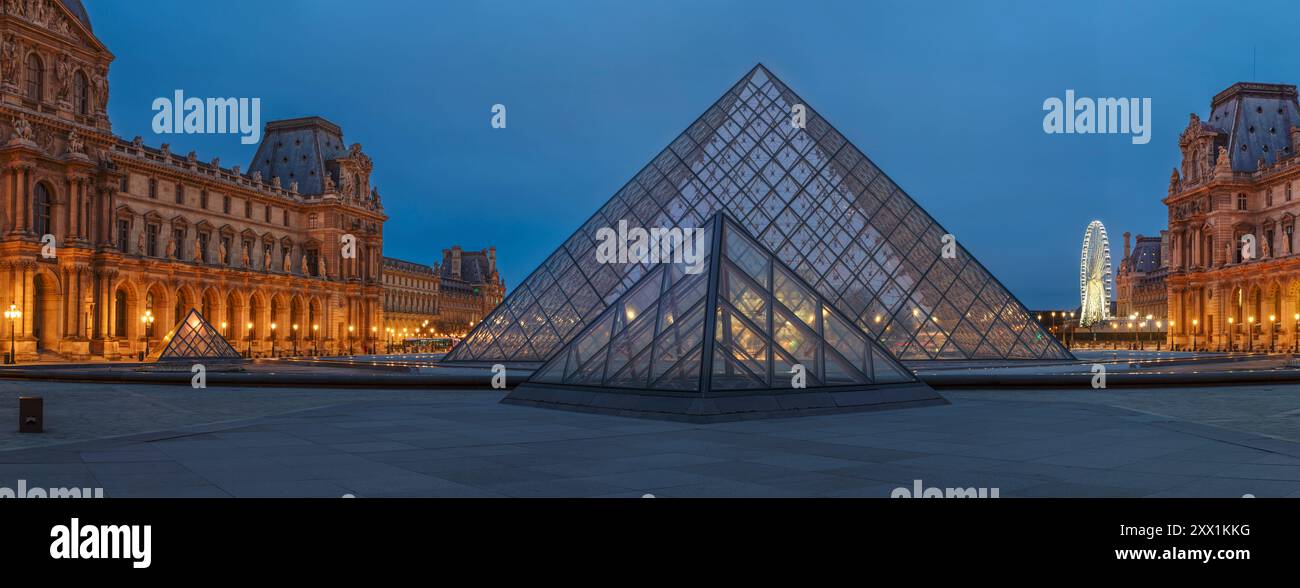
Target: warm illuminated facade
(1140, 283)
(443, 300)
(140, 231)
(1235, 186)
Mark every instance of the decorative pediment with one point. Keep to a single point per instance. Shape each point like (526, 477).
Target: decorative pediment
(248, 234)
(153, 216)
(204, 225)
(227, 230)
(180, 222)
(126, 211)
(286, 241)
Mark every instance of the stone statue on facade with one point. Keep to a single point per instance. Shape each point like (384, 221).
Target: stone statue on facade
(221, 252)
(10, 54)
(303, 264)
(320, 266)
(139, 244)
(198, 250)
(171, 249)
(286, 262)
(62, 78)
(101, 91)
(245, 261)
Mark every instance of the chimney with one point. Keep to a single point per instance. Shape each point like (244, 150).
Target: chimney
(455, 261)
(492, 259)
(1127, 248)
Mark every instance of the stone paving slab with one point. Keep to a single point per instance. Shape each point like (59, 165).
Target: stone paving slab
(451, 444)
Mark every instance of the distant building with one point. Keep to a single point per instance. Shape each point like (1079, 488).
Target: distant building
(1140, 282)
(446, 299)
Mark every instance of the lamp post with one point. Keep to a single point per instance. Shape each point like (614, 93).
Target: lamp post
(1232, 335)
(1250, 333)
(1272, 333)
(13, 314)
(224, 332)
(350, 352)
(374, 337)
(1135, 334)
(1295, 332)
(1195, 324)
(315, 345)
(272, 339)
(147, 319)
(1156, 330)
(249, 327)
(295, 339)
(1169, 332)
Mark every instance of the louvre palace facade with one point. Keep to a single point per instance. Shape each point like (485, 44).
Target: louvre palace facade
(1234, 276)
(100, 233)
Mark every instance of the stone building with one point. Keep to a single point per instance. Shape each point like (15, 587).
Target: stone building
(97, 231)
(1140, 282)
(444, 300)
(1233, 273)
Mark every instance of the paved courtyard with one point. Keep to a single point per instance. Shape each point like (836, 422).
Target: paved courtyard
(327, 443)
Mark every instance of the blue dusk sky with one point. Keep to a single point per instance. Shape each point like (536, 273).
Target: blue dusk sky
(944, 96)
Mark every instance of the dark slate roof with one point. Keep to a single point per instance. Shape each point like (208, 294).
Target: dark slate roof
(1257, 119)
(1145, 256)
(406, 266)
(473, 268)
(79, 11)
(296, 149)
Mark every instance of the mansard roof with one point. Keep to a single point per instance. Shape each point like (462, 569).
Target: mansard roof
(1257, 119)
(297, 149)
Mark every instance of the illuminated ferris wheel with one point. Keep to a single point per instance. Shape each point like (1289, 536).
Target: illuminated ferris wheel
(1094, 276)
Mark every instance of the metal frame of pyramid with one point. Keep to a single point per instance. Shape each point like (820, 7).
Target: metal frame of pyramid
(195, 339)
(722, 344)
(815, 201)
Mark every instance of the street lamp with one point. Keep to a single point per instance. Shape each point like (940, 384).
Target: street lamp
(1295, 331)
(224, 332)
(272, 339)
(1250, 333)
(250, 339)
(295, 339)
(1170, 334)
(147, 319)
(350, 352)
(1232, 335)
(374, 336)
(1157, 330)
(13, 314)
(1272, 332)
(1195, 324)
(315, 344)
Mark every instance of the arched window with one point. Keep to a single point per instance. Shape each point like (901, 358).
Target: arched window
(35, 78)
(80, 93)
(41, 211)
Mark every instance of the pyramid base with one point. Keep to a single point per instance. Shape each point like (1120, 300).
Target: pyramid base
(724, 408)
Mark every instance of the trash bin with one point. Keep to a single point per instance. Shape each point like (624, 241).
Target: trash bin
(31, 414)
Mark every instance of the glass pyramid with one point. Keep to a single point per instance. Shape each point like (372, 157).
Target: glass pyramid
(811, 198)
(764, 319)
(194, 339)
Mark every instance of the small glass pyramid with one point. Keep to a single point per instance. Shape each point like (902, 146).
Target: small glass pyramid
(194, 339)
(818, 204)
(743, 326)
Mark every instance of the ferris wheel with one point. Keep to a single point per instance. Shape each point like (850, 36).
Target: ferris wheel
(1094, 276)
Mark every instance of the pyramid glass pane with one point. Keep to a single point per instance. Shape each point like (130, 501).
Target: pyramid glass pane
(653, 337)
(812, 200)
(194, 339)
